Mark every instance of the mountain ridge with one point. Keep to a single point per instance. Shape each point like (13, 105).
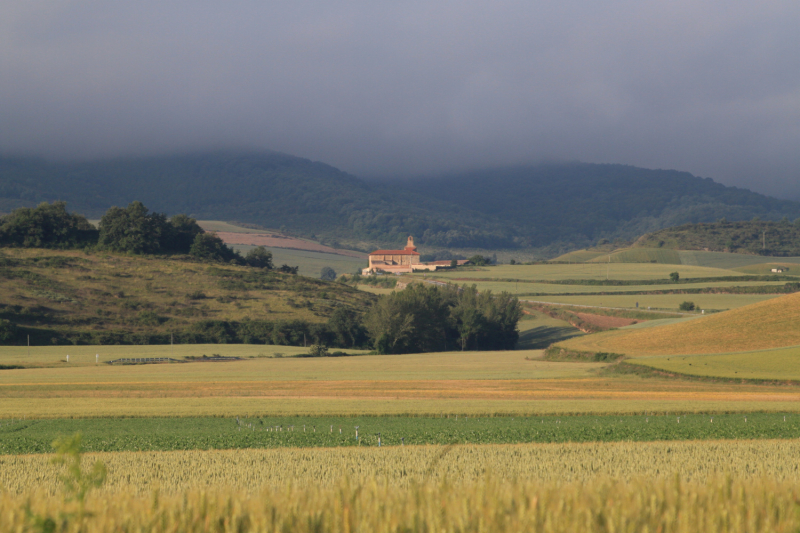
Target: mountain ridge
(550, 207)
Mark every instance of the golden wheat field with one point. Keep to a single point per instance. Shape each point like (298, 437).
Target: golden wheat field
(678, 487)
(602, 505)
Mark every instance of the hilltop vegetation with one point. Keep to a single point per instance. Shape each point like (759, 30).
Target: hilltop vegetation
(547, 207)
(62, 297)
(756, 237)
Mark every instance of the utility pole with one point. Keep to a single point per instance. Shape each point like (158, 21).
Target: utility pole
(29, 345)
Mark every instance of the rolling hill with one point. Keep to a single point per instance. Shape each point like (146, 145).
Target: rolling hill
(550, 208)
(75, 297)
(755, 237)
(770, 324)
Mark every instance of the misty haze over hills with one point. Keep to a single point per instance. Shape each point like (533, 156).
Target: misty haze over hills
(548, 207)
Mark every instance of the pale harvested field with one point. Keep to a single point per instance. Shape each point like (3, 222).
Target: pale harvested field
(475, 383)
(281, 241)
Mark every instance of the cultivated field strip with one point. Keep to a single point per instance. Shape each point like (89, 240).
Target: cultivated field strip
(255, 470)
(489, 505)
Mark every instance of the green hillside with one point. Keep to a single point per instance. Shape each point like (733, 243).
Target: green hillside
(756, 237)
(547, 208)
(577, 203)
(64, 297)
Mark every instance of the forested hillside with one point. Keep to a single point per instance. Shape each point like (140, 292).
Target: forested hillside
(754, 237)
(548, 207)
(272, 190)
(581, 203)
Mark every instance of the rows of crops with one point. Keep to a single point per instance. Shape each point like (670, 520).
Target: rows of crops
(253, 470)
(673, 486)
(131, 434)
(493, 505)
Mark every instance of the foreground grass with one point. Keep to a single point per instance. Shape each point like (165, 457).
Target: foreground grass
(166, 434)
(602, 505)
(671, 487)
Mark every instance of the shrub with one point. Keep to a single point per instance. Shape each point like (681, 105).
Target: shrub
(687, 306)
(318, 350)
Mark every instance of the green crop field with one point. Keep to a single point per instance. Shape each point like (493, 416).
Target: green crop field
(596, 271)
(781, 364)
(259, 367)
(579, 256)
(641, 255)
(670, 302)
(765, 269)
(89, 355)
(167, 434)
(528, 288)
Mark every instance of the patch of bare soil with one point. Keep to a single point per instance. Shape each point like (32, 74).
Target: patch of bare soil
(281, 241)
(606, 322)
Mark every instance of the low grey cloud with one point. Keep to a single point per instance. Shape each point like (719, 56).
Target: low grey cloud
(412, 87)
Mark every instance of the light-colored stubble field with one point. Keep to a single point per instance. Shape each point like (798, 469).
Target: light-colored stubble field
(476, 383)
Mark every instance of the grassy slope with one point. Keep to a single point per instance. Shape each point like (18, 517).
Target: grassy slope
(723, 260)
(780, 364)
(641, 255)
(74, 291)
(770, 324)
(753, 237)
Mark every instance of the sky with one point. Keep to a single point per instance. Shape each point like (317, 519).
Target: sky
(394, 89)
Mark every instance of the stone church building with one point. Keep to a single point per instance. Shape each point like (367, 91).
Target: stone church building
(397, 261)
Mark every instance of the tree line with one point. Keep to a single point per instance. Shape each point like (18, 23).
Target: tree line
(424, 318)
(133, 229)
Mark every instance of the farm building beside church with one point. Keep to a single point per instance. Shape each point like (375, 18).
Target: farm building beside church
(397, 261)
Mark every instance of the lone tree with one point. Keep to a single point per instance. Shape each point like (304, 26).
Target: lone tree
(674, 276)
(687, 306)
(327, 274)
(259, 257)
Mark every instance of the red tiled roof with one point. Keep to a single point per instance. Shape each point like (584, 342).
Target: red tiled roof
(393, 252)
